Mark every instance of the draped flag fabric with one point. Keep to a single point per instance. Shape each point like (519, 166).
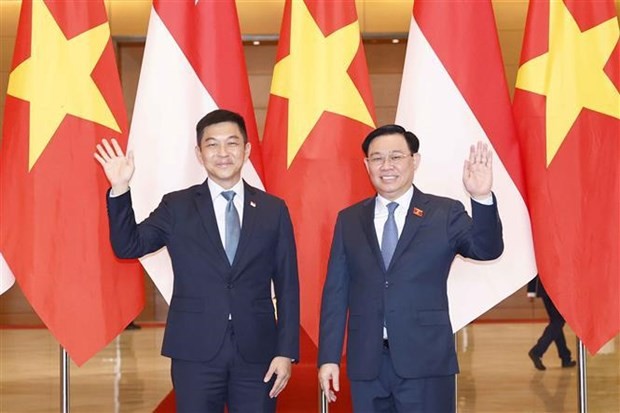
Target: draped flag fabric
(567, 108)
(63, 96)
(319, 112)
(193, 64)
(7, 279)
(453, 94)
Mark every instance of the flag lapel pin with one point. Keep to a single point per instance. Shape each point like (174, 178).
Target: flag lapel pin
(252, 204)
(418, 212)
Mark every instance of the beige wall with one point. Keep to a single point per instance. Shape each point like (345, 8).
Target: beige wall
(129, 18)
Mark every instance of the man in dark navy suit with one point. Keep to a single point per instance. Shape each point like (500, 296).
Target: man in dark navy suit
(553, 333)
(387, 279)
(228, 242)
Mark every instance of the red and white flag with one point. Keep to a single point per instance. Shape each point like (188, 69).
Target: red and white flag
(63, 96)
(7, 279)
(193, 64)
(567, 108)
(453, 94)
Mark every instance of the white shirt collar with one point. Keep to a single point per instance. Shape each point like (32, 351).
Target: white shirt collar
(216, 190)
(404, 199)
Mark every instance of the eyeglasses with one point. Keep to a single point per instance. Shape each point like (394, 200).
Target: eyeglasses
(395, 158)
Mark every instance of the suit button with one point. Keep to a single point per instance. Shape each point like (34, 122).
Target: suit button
(229, 286)
(387, 284)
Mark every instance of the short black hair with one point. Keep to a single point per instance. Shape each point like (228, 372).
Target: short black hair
(412, 141)
(219, 116)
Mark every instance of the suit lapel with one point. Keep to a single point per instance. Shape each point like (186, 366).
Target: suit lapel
(250, 209)
(413, 220)
(368, 225)
(204, 205)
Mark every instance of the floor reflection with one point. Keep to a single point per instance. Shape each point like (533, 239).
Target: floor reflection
(130, 376)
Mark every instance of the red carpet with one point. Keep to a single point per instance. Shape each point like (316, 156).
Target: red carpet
(302, 392)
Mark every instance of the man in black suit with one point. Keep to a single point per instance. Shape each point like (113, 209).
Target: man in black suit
(228, 242)
(387, 278)
(553, 332)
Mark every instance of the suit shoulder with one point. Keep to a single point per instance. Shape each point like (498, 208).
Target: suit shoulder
(356, 208)
(441, 200)
(182, 194)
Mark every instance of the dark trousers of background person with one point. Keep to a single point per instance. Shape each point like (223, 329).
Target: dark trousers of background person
(553, 332)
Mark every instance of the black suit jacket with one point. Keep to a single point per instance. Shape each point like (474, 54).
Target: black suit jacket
(411, 295)
(206, 287)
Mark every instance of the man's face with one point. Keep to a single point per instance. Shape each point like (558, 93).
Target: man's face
(223, 153)
(391, 165)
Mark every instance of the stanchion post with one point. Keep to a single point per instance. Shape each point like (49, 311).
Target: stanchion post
(323, 405)
(64, 380)
(582, 381)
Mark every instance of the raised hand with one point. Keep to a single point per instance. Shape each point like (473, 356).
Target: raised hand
(478, 171)
(118, 168)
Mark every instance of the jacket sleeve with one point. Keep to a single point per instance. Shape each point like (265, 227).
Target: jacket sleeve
(131, 240)
(334, 303)
(286, 286)
(479, 237)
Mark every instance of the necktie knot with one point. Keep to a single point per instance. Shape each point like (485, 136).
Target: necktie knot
(228, 195)
(392, 207)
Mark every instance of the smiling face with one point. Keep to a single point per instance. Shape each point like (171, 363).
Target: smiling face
(391, 165)
(223, 153)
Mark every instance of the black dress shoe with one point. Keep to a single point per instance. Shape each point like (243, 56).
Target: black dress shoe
(569, 363)
(536, 360)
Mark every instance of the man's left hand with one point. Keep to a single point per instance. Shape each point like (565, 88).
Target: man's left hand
(478, 171)
(281, 367)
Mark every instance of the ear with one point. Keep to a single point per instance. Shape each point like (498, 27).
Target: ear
(199, 155)
(367, 165)
(248, 150)
(416, 160)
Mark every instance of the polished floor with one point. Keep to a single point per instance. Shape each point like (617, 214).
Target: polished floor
(130, 376)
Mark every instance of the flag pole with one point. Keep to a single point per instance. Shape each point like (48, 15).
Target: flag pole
(582, 382)
(64, 380)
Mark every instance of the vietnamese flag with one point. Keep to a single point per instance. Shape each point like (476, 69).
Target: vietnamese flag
(454, 93)
(63, 96)
(193, 64)
(320, 110)
(567, 108)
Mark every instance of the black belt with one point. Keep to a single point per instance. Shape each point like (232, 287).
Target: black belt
(386, 343)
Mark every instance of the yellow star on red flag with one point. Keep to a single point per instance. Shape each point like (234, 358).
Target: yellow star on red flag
(314, 76)
(56, 79)
(571, 73)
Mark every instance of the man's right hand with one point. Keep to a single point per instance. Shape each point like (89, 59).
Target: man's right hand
(118, 168)
(329, 372)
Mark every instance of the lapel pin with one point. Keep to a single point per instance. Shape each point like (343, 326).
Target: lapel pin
(252, 204)
(418, 212)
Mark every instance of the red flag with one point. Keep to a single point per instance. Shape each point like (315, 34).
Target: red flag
(567, 108)
(63, 96)
(319, 112)
(454, 93)
(193, 64)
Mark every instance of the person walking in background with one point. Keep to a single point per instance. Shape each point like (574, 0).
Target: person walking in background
(228, 242)
(387, 280)
(553, 332)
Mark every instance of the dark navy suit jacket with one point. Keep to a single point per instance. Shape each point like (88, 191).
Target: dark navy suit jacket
(411, 295)
(206, 287)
